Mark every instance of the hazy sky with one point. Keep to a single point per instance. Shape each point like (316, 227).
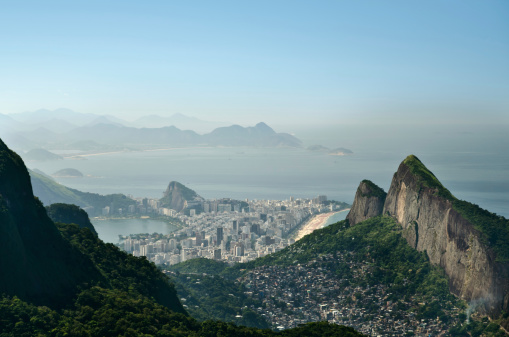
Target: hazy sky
(240, 61)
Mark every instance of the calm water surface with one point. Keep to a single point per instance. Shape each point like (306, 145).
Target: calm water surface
(254, 173)
(110, 229)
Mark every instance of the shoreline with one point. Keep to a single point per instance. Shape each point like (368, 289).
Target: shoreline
(102, 153)
(316, 222)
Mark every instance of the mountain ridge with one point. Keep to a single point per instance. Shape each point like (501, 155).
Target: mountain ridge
(61, 127)
(41, 265)
(470, 244)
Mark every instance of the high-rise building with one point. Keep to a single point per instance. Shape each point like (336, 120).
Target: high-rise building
(219, 235)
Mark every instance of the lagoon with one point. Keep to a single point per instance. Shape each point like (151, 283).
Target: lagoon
(109, 229)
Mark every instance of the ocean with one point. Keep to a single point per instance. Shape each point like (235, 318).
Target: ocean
(280, 173)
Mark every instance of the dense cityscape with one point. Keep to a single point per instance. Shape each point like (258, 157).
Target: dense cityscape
(226, 229)
(313, 291)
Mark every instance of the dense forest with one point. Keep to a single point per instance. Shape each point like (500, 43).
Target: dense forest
(132, 298)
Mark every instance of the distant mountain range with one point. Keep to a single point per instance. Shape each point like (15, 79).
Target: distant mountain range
(63, 120)
(63, 129)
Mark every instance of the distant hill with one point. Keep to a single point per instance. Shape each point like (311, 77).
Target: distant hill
(178, 196)
(51, 192)
(180, 121)
(68, 173)
(260, 135)
(8, 124)
(70, 214)
(110, 134)
(340, 151)
(317, 148)
(66, 129)
(41, 155)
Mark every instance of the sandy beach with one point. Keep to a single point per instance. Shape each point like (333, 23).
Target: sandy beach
(90, 154)
(316, 222)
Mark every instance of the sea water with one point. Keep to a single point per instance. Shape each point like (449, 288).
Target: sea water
(280, 173)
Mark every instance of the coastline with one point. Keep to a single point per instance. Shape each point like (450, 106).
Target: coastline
(102, 153)
(316, 222)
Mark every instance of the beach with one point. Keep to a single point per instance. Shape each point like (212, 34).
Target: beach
(316, 222)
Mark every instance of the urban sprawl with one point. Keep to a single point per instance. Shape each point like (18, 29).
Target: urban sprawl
(225, 229)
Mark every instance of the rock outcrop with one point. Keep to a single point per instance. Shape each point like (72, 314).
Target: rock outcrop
(178, 196)
(369, 202)
(433, 221)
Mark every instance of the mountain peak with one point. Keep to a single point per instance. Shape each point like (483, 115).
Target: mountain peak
(425, 176)
(177, 195)
(264, 127)
(369, 202)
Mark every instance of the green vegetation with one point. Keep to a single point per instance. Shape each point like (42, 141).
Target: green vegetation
(121, 271)
(70, 214)
(494, 228)
(477, 329)
(425, 176)
(215, 298)
(98, 201)
(37, 264)
(50, 192)
(378, 240)
(200, 265)
(375, 190)
(41, 155)
(101, 312)
(87, 287)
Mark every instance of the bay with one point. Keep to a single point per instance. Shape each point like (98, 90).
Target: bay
(279, 173)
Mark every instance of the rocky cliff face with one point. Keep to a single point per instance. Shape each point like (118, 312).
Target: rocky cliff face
(425, 210)
(177, 195)
(369, 202)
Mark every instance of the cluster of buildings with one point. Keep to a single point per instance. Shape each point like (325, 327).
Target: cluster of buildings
(314, 291)
(229, 230)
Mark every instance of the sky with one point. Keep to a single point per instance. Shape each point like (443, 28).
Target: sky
(296, 62)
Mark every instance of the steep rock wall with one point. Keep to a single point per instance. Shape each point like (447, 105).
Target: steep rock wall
(431, 224)
(368, 202)
(176, 196)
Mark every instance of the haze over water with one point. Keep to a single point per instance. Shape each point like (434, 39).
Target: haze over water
(256, 173)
